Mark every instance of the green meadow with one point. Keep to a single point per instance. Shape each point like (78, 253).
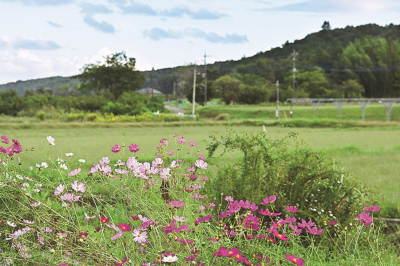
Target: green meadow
(371, 154)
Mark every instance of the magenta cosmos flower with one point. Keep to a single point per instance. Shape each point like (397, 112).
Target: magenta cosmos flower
(78, 186)
(314, 230)
(104, 220)
(122, 262)
(116, 148)
(124, 227)
(75, 172)
(365, 218)
(372, 208)
(295, 260)
(133, 148)
(181, 140)
(4, 139)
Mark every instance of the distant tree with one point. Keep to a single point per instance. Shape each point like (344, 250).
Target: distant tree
(228, 88)
(349, 89)
(326, 26)
(116, 76)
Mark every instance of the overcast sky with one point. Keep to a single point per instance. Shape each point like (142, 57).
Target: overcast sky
(43, 38)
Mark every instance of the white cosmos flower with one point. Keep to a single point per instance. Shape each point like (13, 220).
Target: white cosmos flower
(170, 259)
(70, 154)
(81, 160)
(51, 140)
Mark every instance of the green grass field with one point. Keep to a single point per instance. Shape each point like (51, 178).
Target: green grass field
(372, 155)
(351, 111)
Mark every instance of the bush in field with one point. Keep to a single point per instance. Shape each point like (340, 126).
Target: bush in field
(91, 117)
(41, 115)
(126, 211)
(299, 176)
(72, 117)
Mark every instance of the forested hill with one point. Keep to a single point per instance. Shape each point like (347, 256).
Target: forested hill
(348, 62)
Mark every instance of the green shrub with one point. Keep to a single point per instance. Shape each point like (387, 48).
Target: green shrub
(81, 116)
(72, 117)
(91, 117)
(297, 175)
(41, 115)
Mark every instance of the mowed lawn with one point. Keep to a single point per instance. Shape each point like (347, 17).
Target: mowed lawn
(372, 155)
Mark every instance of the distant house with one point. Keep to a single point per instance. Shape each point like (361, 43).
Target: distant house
(149, 91)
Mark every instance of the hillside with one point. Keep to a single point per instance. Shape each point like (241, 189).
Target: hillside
(367, 57)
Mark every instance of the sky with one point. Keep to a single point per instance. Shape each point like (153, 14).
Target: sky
(44, 38)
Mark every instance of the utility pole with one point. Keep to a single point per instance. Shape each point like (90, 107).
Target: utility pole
(194, 90)
(277, 99)
(205, 79)
(152, 85)
(294, 54)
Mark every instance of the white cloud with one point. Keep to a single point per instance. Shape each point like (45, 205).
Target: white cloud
(24, 64)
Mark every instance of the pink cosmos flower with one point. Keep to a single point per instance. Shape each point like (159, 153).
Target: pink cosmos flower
(268, 200)
(62, 234)
(212, 205)
(201, 164)
(174, 164)
(75, 172)
(191, 169)
(295, 260)
(4, 139)
(104, 160)
(305, 224)
(181, 140)
(28, 222)
(47, 230)
(192, 143)
(78, 187)
(87, 218)
(27, 178)
(314, 230)
(177, 204)
(170, 153)
(180, 219)
(36, 204)
(59, 189)
(204, 179)
(372, 208)
(51, 140)
(124, 227)
(83, 235)
(365, 218)
(11, 224)
(229, 198)
(118, 235)
(116, 148)
(139, 237)
(333, 223)
(291, 209)
(201, 157)
(68, 197)
(201, 208)
(133, 148)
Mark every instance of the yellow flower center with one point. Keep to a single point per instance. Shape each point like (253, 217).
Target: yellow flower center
(279, 235)
(230, 252)
(294, 260)
(77, 187)
(123, 227)
(237, 256)
(138, 235)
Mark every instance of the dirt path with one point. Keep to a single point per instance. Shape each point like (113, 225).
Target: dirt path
(174, 109)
